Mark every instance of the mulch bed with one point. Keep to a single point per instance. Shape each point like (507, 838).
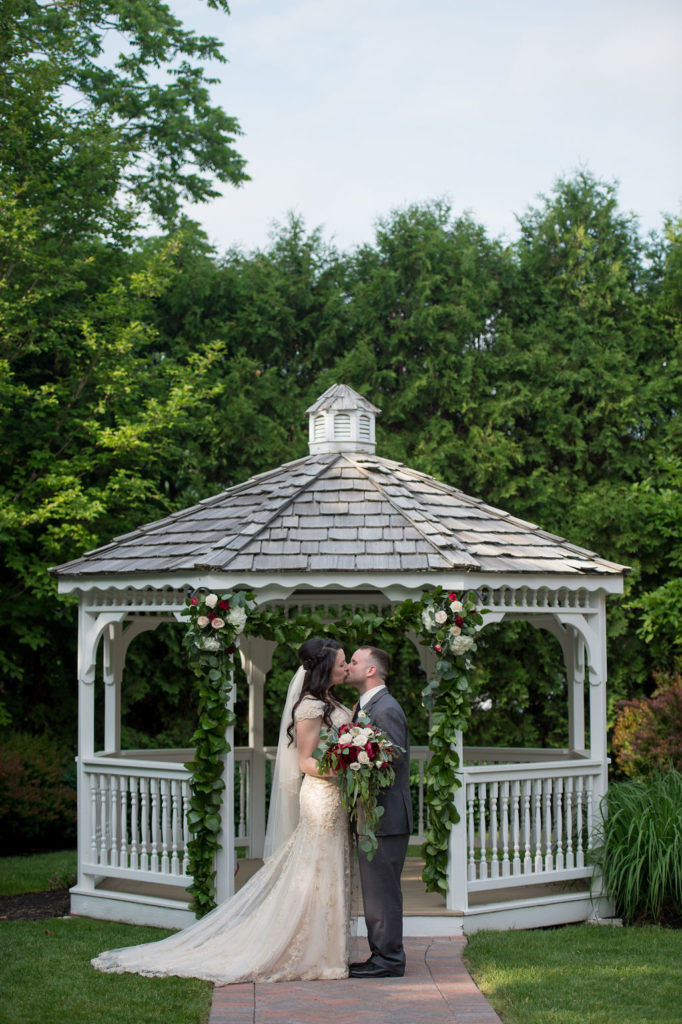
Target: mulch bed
(35, 906)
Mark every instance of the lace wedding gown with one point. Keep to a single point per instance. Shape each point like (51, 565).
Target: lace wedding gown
(290, 921)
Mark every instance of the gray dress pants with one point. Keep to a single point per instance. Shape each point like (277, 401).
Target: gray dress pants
(383, 900)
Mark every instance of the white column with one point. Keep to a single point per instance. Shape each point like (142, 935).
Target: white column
(575, 672)
(595, 642)
(225, 860)
(88, 638)
(256, 657)
(572, 644)
(112, 670)
(456, 898)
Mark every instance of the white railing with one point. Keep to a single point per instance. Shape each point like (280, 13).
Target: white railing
(531, 823)
(243, 758)
(137, 820)
(524, 822)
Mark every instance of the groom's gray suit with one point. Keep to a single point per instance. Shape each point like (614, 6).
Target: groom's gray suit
(380, 877)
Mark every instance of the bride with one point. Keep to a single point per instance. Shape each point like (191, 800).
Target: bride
(291, 920)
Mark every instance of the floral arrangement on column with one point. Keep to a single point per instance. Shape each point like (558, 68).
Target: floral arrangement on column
(215, 622)
(448, 624)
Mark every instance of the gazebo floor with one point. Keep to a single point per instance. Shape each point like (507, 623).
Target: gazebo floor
(417, 902)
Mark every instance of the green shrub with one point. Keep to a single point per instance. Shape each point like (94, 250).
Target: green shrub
(37, 803)
(639, 848)
(647, 736)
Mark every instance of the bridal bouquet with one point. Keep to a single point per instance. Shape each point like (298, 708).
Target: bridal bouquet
(362, 756)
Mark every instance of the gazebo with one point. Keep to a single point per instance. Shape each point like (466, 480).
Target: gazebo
(343, 525)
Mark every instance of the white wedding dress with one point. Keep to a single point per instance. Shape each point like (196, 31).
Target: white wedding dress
(289, 922)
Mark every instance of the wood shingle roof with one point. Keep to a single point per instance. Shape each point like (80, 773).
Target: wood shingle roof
(340, 511)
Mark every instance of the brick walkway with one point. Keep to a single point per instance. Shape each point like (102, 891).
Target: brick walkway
(436, 989)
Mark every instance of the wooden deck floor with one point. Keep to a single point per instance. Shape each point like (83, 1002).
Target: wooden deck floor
(417, 902)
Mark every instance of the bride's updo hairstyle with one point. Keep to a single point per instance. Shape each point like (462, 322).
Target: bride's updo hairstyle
(317, 656)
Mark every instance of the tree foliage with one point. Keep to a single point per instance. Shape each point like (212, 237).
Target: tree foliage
(647, 737)
(103, 98)
(542, 376)
(104, 116)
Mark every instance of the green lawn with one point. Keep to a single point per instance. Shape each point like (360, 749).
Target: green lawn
(580, 974)
(37, 873)
(46, 978)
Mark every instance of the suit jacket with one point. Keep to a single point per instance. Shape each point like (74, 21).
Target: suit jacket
(386, 713)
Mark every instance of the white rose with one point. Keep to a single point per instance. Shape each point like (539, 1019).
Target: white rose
(237, 618)
(455, 630)
(345, 740)
(211, 600)
(428, 619)
(218, 623)
(202, 621)
(456, 606)
(209, 643)
(441, 617)
(355, 767)
(460, 644)
(360, 740)
(363, 757)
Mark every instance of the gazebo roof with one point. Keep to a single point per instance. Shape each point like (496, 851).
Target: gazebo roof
(343, 512)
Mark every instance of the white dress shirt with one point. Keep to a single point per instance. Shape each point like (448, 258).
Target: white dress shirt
(369, 694)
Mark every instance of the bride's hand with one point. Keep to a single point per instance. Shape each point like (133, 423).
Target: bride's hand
(307, 737)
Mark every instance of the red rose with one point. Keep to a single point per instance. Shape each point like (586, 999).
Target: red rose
(459, 621)
(452, 597)
(194, 600)
(372, 750)
(437, 648)
(224, 605)
(212, 616)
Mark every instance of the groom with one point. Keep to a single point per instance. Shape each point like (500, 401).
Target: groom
(367, 672)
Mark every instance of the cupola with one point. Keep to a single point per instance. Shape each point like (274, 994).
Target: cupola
(341, 420)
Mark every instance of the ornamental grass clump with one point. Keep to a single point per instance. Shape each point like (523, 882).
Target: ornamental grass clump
(639, 848)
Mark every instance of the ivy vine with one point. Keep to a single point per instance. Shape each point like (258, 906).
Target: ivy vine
(216, 620)
(449, 624)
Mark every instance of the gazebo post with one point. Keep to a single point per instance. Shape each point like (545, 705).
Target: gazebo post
(575, 670)
(225, 858)
(88, 639)
(595, 641)
(256, 656)
(572, 645)
(456, 897)
(112, 670)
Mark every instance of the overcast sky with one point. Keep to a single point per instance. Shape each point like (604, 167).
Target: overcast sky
(351, 108)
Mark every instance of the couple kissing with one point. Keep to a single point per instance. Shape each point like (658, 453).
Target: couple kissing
(291, 920)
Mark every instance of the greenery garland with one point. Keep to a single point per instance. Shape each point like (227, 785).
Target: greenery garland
(211, 640)
(449, 626)
(216, 620)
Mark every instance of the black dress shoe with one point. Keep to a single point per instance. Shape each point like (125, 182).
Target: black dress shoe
(371, 970)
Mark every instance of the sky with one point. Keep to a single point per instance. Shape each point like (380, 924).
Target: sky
(353, 108)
